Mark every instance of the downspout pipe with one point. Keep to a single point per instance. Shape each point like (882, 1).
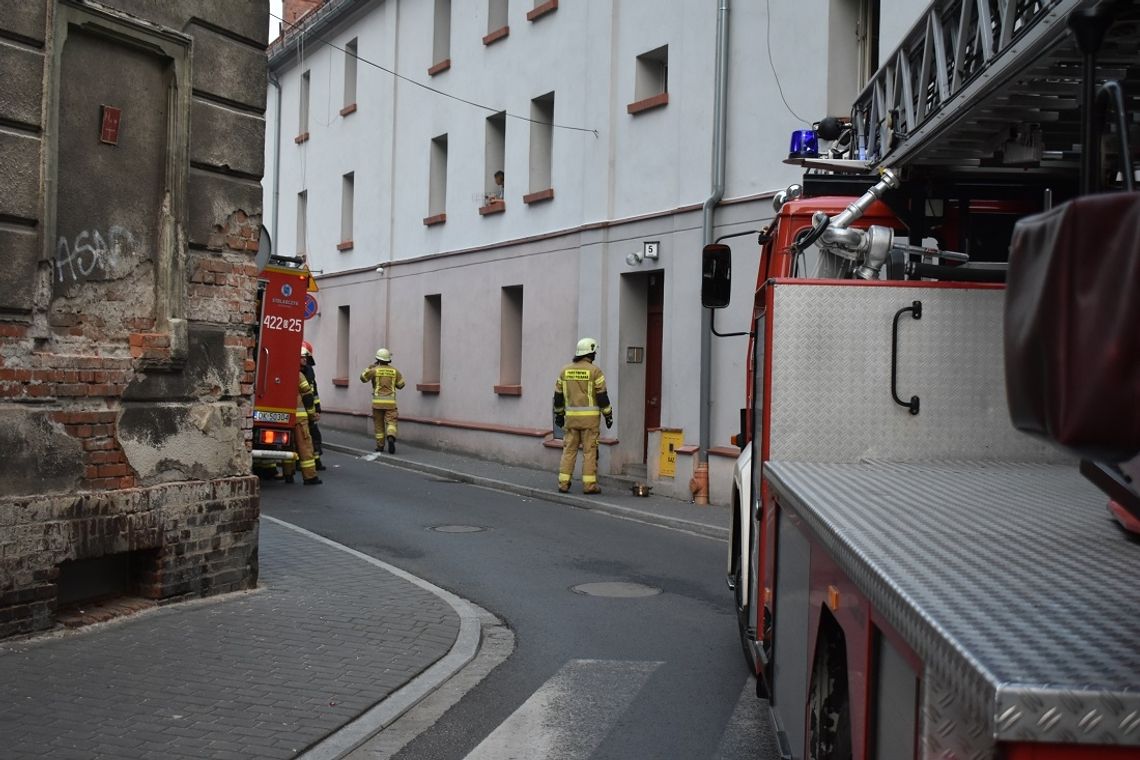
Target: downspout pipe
(720, 127)
(273, 80)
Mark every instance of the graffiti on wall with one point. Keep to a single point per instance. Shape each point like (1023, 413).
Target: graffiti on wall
(94, 254)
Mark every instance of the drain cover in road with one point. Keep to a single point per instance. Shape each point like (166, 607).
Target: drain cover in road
(458, 528)
(615, 589)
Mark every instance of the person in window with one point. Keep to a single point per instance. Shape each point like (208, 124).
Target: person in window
(496, 195)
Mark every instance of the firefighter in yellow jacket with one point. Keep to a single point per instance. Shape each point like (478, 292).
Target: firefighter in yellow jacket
(386, 380)
(302, 439)
(580, 398)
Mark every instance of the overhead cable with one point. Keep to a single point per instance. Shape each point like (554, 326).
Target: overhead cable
(429, 88)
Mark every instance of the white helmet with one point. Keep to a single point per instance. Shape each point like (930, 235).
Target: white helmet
(586, 346)
(383, 355)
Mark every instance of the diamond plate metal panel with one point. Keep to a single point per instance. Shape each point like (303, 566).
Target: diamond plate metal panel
(831, 376)
(1010, 581)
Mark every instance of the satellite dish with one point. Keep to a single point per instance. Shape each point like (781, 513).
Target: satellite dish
(264, 249)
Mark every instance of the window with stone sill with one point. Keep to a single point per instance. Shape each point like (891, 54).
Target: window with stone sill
(497, 16)
(497, 13)
(303, 110)
(350, 57)
(343, 324)
(437, 181)
(432, 337)
(441, 37)
(347, 201)
(494, 158)
(541, 8)
(541, 148)
(510, 340)
(302, 222)
(651, 81)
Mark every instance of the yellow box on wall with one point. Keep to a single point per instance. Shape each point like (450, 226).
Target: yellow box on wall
(671, 440)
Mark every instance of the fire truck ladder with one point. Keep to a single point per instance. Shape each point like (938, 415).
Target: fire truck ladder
(990, 82)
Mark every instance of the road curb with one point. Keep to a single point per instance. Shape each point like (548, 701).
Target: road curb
(598, 505)
(386, 711)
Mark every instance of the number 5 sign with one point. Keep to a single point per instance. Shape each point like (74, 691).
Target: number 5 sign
(310, 306)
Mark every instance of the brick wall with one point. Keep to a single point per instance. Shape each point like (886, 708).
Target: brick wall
(127, 316)
(295, 9)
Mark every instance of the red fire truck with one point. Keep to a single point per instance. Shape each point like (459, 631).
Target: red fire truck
(282, 287)
(914, 576)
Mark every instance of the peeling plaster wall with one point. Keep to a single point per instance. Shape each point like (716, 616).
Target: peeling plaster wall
(127, 316)
(173, 442)
(41, 453)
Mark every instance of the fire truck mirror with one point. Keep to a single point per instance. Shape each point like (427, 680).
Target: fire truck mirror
(716, 276)
(264, 249)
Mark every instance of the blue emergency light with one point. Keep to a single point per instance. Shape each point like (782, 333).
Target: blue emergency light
(804, 144)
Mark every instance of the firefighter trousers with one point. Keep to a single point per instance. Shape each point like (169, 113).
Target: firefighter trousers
(303, 445)
(571, 438)
(384, 422)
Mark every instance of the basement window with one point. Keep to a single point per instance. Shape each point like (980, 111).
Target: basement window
(433, 336)
(99, 588)
(510, 342)
(343, 330)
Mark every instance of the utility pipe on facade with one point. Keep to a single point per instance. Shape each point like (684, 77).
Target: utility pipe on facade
(273, 80)
(720, 106)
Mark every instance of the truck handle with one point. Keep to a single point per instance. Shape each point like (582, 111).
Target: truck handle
(915, 310)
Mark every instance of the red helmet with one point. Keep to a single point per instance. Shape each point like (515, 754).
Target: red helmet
(307, 346)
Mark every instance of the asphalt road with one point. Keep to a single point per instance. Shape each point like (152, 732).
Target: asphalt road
(645, 665)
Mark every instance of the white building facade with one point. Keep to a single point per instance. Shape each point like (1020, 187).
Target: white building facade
(387, 121)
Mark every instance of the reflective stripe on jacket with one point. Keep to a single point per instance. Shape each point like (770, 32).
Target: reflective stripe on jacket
(303, 390)
(581, 382)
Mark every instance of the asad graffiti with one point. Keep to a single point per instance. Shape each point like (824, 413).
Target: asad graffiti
(93, 253)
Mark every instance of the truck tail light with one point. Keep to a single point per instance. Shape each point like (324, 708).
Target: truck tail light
(273, 437)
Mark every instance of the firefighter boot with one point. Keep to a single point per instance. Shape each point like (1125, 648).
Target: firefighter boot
(313, 481)
(391, 444)
(564, 487)
(591, 488)
(320, 466)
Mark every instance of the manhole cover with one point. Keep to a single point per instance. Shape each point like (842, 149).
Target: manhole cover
(457, 528)
(615, 589)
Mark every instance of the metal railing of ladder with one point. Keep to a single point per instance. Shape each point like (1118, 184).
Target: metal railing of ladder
(957, 54)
